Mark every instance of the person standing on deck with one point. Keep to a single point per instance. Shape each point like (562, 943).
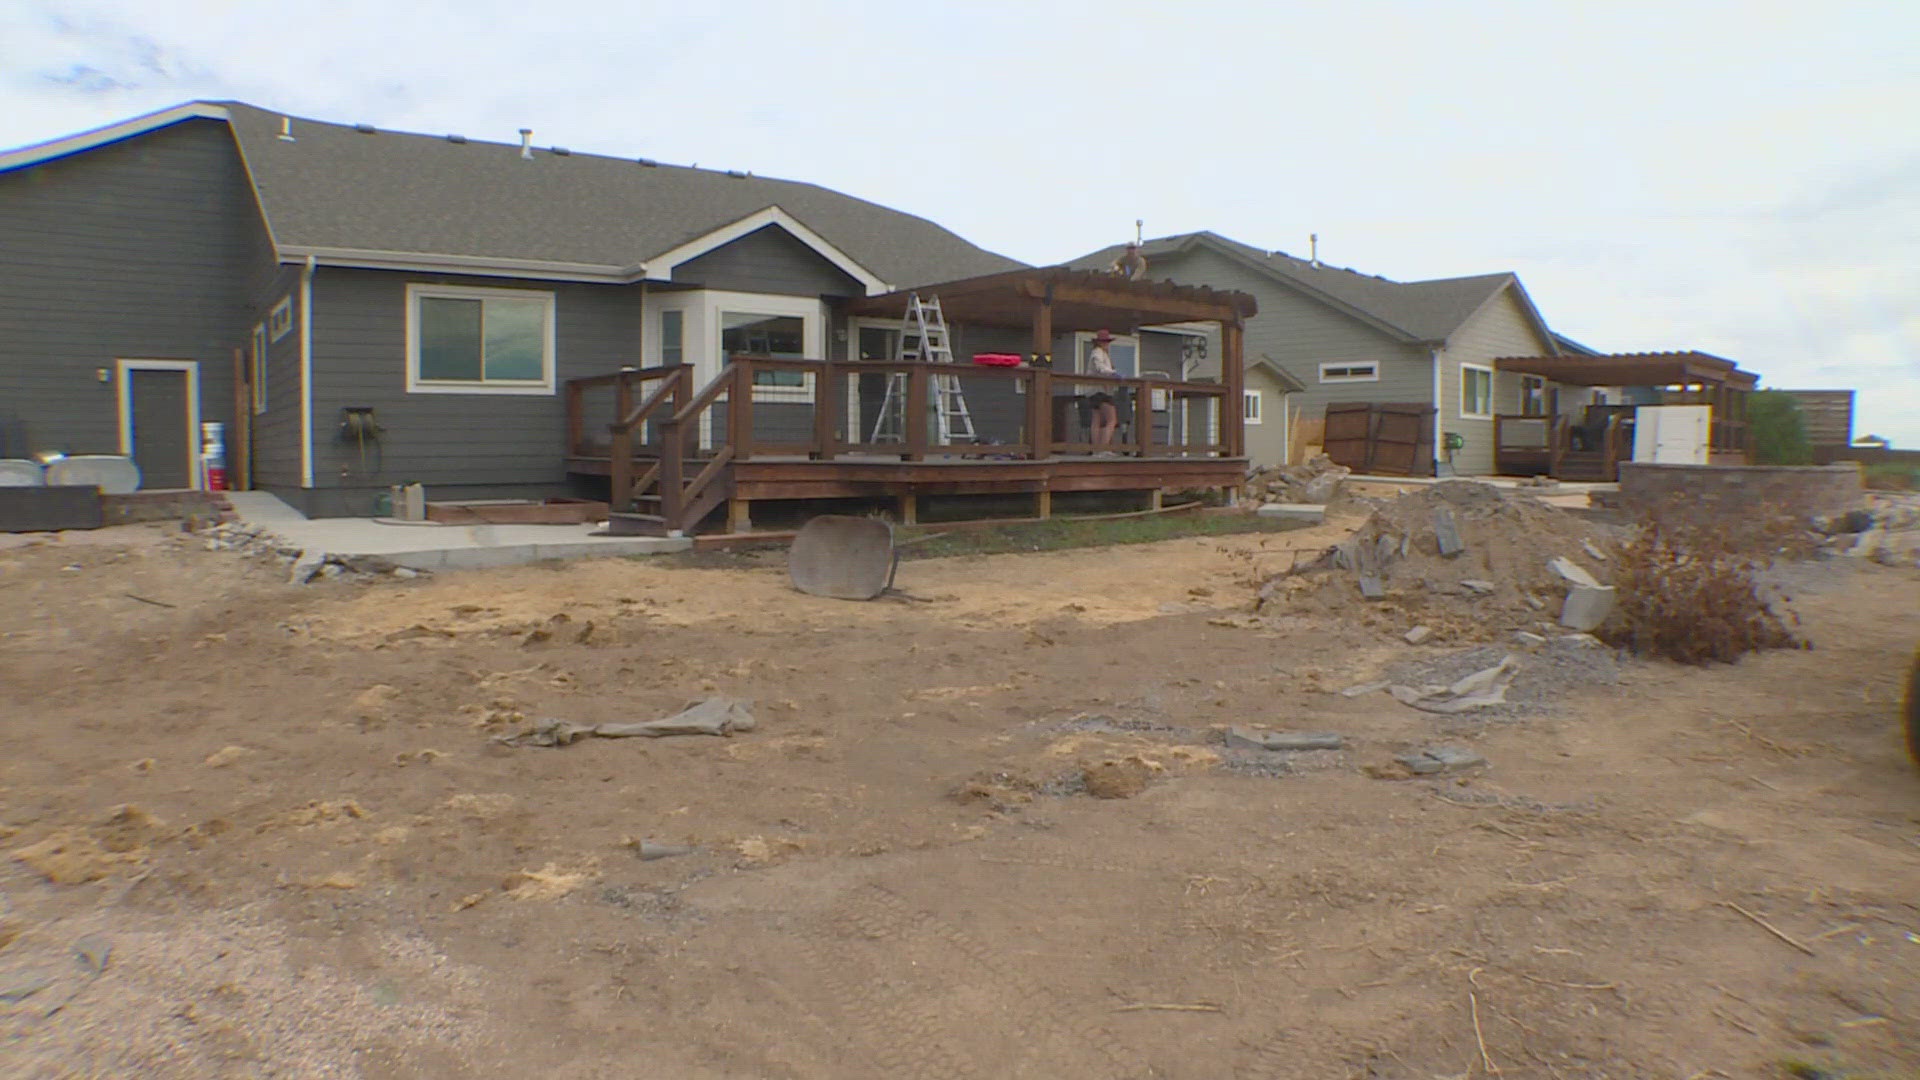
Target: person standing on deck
(1106, 415)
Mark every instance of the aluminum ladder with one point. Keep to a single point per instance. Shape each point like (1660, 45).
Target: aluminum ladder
(926, 328)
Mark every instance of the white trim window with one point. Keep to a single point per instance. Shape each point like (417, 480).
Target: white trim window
(1476, 392)
(280, 319)
(465, 340)
(1341, 371)
(1250, 406)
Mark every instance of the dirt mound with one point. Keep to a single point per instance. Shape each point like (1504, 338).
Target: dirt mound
(1499, 579)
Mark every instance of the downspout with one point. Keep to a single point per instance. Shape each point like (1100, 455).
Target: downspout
(1439, 353)
(306, 374)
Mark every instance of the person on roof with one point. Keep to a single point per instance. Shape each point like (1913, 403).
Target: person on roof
(1131, 264)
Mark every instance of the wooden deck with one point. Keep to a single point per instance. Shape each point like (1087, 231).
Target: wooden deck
(673, 457)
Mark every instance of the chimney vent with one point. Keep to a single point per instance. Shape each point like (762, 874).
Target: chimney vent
(526, 144)
(560, 150)
(364, 129)
(456, 138)
(286, 129)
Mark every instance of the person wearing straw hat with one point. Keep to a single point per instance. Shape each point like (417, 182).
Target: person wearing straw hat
(1106, 414)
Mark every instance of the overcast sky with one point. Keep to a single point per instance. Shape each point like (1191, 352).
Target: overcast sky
(1741, 177)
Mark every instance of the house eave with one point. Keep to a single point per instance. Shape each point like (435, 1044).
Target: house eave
(478, 265)
(69, 145)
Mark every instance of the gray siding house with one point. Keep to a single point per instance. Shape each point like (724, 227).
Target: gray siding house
(1344, 336)
(405, 307)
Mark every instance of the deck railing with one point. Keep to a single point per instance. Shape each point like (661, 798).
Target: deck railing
(658, 425)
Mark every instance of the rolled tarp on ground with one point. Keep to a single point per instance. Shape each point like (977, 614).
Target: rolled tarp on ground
(19, 472)
(111, 473)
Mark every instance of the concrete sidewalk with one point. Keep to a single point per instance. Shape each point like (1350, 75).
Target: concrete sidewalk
(432, 546)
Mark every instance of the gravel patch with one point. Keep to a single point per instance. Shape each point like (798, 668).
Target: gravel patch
(1545, 675)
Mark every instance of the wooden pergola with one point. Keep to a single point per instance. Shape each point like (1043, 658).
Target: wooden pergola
(1683, 378)
(1054, 300)
(1635, 369)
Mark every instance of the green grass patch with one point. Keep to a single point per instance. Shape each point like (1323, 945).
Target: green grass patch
(1062, 533)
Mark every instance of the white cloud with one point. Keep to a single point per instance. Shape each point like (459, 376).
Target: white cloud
(1739, 177)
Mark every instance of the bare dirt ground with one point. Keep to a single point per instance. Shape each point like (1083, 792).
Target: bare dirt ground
(265, 831)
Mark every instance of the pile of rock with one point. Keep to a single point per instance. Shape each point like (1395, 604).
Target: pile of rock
(302, 565)
(1886, 531)
(1458, 561)
(1315, 481)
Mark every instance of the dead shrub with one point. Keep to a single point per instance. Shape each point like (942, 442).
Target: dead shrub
(1693, 596)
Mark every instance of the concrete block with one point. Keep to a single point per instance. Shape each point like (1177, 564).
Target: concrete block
(1571, 572)
(1241, 738)
(1587, 607)
(1305, 513)
(1418, 634)
(1446, 532)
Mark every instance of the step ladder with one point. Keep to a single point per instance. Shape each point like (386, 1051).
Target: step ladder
(924, 336)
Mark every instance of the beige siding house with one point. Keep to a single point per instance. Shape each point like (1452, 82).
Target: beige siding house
(1351, 337)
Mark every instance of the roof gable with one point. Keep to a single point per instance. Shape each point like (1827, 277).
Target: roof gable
(1423, 312)
(359, 196)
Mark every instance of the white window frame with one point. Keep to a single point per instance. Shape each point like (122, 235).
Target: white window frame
(1253, 398)
(280, 319)
(813, 320)
(542, 387)
(1372, 375)
(1464, 414)
(1525, 381)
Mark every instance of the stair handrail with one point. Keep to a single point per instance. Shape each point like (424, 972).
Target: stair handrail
(620, 486)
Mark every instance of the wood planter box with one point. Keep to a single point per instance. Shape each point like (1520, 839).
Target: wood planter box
(517, 512)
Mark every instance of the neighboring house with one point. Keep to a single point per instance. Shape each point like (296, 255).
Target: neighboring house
(405, 307)
(1351, 337)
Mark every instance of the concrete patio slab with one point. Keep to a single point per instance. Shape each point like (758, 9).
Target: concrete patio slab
(433, 546)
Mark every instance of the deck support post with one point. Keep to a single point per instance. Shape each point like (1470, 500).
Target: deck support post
(739, 518)
(1044, 503)
(1040, 391)
(909, 509)
(1233, 419)
(1154, 500)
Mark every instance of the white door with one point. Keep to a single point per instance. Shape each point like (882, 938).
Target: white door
(1672, 434)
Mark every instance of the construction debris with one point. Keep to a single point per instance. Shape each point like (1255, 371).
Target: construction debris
(714, 716)
(1586, 607)
(1506, 549)
(1314, 482)
(1240, 738)
(1476, 691)
(1417, 635)
(1439, 759)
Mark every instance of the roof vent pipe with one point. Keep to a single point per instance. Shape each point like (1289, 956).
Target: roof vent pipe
(1313, 248)
(286, 129)
(526, 144)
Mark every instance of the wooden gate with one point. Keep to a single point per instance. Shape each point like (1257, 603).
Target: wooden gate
(1388, 439)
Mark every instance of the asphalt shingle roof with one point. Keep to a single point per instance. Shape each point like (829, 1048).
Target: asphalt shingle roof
(1422, 310)
(337, 186)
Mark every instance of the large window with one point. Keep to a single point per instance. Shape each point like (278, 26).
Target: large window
(749, 334)
(479, 341)
(1476, 392)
